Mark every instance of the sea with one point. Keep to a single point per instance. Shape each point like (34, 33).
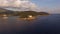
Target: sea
(41, 25)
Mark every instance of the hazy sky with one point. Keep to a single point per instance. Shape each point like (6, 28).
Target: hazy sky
(51, 6)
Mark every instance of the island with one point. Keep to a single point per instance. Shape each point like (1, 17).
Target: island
(23, 14)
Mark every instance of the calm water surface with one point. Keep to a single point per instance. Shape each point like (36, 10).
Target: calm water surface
(41, 25)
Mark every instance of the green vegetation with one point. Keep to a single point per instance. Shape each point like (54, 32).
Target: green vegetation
(43, 13)
(21, 13)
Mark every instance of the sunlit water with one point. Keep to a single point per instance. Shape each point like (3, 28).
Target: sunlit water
(41, 25)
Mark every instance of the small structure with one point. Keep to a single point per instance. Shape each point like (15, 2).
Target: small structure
(4, 15)
(30, 16)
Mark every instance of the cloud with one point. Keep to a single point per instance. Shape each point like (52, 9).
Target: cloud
(17, 5)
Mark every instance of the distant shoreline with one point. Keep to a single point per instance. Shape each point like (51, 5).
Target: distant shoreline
(21, 13)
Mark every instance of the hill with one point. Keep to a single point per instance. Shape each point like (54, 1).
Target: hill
(21, 13)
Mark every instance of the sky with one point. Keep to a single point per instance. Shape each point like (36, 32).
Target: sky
(50, 6)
